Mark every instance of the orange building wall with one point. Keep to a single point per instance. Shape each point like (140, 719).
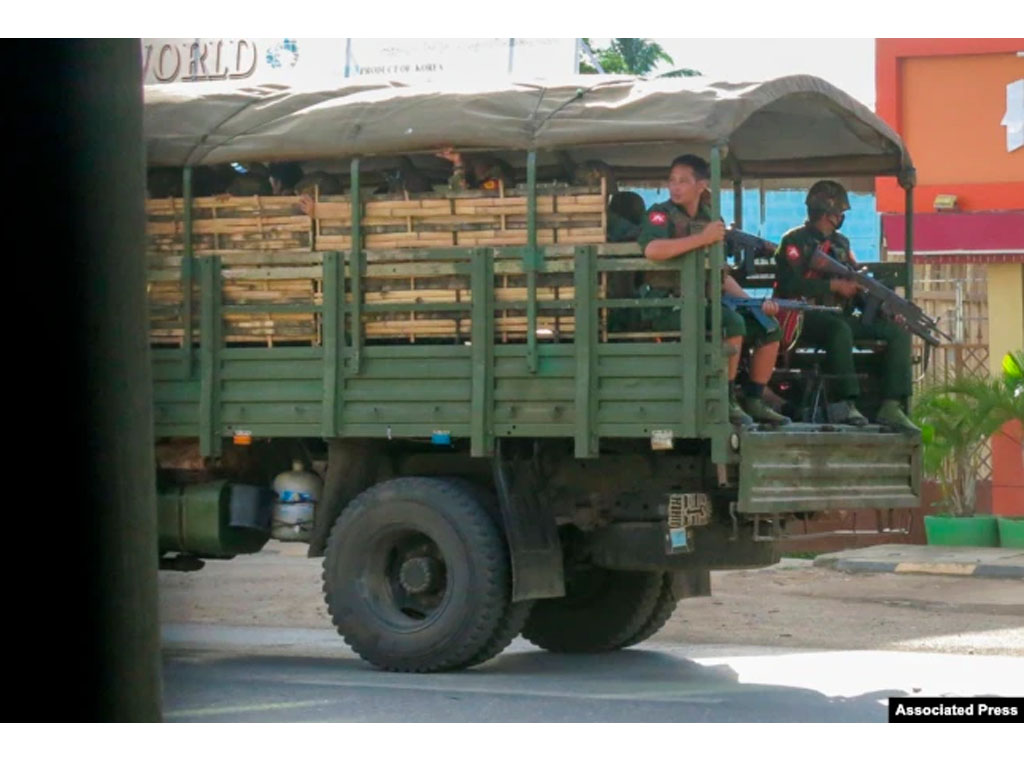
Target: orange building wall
(952, 107)
(946, 98)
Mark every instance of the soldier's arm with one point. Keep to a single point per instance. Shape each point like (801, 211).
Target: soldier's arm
(457, 180)
(663, 250)
(731, 288)
(791, 265)
(658, 246)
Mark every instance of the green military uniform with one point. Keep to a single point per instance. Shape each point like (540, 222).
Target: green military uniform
(457, 181)
(667, 220)
(620, 229)
(836, 333)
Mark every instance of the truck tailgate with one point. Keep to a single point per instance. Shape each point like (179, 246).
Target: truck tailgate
(810, 470)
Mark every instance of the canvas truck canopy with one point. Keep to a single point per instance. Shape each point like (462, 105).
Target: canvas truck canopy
(791, 126)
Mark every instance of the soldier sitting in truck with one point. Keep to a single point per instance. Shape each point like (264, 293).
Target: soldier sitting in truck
(625, 217)
(827, 203)
(683, 224)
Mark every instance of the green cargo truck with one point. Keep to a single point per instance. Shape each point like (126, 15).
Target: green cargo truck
(530, 468)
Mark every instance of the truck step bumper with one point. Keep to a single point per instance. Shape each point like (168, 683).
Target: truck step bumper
(812, 471)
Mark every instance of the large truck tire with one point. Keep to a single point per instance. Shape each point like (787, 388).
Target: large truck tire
(602, 610)
(416, 576)
(516, 614)
(510, 627)
(663, 609)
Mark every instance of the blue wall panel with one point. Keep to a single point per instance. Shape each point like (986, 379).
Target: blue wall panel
(784, 209)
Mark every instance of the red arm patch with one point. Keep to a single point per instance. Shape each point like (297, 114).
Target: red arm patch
(657, 218)
(792, 253)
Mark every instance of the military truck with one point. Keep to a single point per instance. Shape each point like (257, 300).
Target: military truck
(498, 457)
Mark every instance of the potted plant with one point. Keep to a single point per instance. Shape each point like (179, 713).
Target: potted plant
(955, 419)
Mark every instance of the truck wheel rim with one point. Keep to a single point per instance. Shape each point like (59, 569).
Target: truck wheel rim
(405, 579)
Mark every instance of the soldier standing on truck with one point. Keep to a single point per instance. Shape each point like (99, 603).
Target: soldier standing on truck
(683, 224)
(827, 203)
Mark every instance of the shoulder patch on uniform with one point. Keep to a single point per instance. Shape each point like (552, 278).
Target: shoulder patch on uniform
(792, 253)
(658, 218)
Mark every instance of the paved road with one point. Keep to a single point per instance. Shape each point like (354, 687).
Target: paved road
(224, 673)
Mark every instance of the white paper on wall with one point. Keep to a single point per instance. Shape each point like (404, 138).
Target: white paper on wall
(1014, 117)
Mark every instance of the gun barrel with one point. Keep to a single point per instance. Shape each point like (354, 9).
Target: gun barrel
(737, 302)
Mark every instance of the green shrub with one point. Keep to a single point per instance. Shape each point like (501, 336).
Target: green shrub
(955, 419)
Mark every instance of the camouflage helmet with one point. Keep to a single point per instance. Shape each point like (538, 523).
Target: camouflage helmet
(827, 197)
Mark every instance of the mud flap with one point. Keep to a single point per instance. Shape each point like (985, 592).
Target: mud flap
(534, 546)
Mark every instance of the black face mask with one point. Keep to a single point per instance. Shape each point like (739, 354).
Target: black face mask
(838, 221)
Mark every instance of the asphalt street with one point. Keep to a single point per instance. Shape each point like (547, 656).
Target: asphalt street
(217, 673)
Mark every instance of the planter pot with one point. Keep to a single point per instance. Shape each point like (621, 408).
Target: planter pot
(962, 531)
(1011, 532)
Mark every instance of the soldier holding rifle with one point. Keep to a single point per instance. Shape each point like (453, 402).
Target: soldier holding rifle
(683, 224)
(797, 278)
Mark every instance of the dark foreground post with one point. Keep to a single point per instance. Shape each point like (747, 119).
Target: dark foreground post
(79, 170)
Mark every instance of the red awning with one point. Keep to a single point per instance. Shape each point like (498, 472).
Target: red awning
(978, 238)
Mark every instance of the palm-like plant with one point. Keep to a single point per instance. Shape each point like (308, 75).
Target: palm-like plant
(955, 419)
(633, 56)
(639, 54)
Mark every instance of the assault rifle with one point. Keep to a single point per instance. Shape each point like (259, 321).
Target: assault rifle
(745, 247)
(878, 298)
(753, 306)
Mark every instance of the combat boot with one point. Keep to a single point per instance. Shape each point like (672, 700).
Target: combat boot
(760, 411)
(845, 412)
(891, 415)
(737, 415)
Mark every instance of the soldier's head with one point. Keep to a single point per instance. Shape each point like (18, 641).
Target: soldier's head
(628, 205)
(827, 203)
(688, 179)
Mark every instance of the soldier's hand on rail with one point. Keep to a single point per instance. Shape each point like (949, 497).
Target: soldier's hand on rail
(845, 288)
(307, 204)
(714, 232)
(770, 308)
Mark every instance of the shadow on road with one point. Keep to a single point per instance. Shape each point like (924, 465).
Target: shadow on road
(526, 686)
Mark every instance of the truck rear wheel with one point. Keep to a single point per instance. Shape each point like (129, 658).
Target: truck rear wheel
(416, 576)
(516, 614)
(663, 609)
(601, 611)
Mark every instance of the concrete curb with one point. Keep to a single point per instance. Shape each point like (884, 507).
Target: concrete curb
(979, 562)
